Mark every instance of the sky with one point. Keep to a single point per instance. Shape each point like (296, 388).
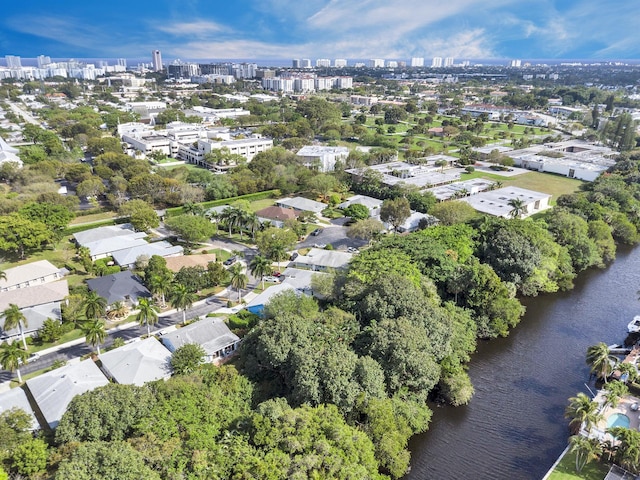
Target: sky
(351, 29)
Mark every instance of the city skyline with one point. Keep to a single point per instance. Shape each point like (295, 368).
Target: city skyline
(278, 29)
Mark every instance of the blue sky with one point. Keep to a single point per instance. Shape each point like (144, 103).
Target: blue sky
(352, 29)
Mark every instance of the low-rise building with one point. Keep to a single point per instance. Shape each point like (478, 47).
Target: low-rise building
(372, 204)
(128, 257)
(53, 391)
(277, 216)
(30, 274)
(322, 158)
(212, 334)
(323, 260)
(137, 363)
(17, 398)
(119, 287)
(498, 202)
(301, 204)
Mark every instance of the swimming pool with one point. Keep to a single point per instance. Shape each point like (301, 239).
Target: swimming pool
(618, 420)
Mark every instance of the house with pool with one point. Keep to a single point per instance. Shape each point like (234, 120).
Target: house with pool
(626, 414)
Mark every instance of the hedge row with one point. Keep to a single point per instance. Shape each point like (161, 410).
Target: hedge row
(251, 197)
(89, 226)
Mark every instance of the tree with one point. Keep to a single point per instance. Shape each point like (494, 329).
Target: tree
(518, 207)
(613, 392)
(94, 331)
(182, 299)
(452, 212)
(260, 266)
(191, 228)
(105, 460)
(54, 216)
(161, 283)
(367, 229)
(141, 215)
(30, 457)
(357, 211)
(20, 235)
(585, 450)
(110, 413)
(93, 305)
(51, 330)
(187, 358)
(147, 313)
(238, 278)
(582, 410)
(395, 212)
(13, 318)
(600, 361)
(275, 242)
(12, 356)
(90, 188)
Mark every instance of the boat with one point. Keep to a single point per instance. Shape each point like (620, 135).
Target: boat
(616, 349)
(634, 325)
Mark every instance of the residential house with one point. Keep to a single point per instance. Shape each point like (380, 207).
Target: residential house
(301, 204)
(119, 287)
(256, 305)
(9, 154)
(17, 398)
(137, 363)
(128, 257)
(52, 391)
(30, 274)
(320, 260)
(212, 334)
(372, 204)
(277, 216)
(412, 223)
(36, 303)
(105, 241)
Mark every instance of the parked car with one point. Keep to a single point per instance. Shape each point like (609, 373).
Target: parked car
(316, 232)
(319, 245)
(353, 250)
(231, 260)
(293, 256)
(271, 278)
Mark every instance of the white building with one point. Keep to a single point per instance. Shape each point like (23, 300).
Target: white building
(156, 60)
(448, 62)
(436, 62)
(496, 202)
(322, 158)
(305, 63)
(323, 62)
(246, 147)
(376, 63)
(417, 62)
(340, 63)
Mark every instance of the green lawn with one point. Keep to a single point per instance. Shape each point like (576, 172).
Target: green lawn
(58, 254)
(566, 470)
(260, 204)
(94, 217)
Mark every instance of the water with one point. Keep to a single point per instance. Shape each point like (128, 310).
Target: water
(514, 426)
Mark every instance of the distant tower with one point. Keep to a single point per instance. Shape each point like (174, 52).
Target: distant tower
(43, 60)
(13, 61)
(156, 59)
(122, 62)
(417, 62)
(448, 62)
(436, 62)
(295, 63)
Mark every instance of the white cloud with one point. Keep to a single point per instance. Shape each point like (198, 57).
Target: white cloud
(200, 28)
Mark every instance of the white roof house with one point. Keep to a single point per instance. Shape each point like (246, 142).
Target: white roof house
(127, 257)
(30, 274)
(496, 202)
(212, 334)
(52, 391)
(137, 363)
(8, 153)
(373, 204)
(102, 233)
(322, 158)
(321, 260)
(104, 241)
(17, 398)
(256, 305)
(412, 223)
(301, 204)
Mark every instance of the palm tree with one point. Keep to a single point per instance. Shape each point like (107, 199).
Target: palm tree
(13, 318)
(11, 357)
(259, 267)
(238, 278)
(628, 451)
(147, 314)
(93, 305)
(161, 284)
(278, 253)
(3, 275)
(94, 331)
(586, 449)
(182, 299)
(518, 207)
(600, 361)
(613, 393)
(582, 410)
(252, 223)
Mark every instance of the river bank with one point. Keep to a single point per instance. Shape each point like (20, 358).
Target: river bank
(514, 425)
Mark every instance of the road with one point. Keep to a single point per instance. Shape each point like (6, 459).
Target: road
(135, 331)
(23, 113)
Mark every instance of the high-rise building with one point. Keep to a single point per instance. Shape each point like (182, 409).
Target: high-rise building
(436, 62)
(13, 61)
(448, 62)
(340, 63)
(417, 62)
(376, 63)
(392, 63)
(122, 62)
(515, 63)
(156, 60)
(305, 63)
(295, 63)
(323, 62)
(43, 60)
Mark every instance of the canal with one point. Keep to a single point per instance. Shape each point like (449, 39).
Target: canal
(514, 426)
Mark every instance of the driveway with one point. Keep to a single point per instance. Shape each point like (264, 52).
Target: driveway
(335, 235)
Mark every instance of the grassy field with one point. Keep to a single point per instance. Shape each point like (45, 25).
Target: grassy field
(566, 470)
(95, 217)
(554, 185)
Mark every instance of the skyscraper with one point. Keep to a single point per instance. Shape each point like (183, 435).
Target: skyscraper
(436, 62)
(295, 63)
(156, 59)
(13, 61)
(448, 62)
(417, 62)
(43, 60)
(122, 62)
